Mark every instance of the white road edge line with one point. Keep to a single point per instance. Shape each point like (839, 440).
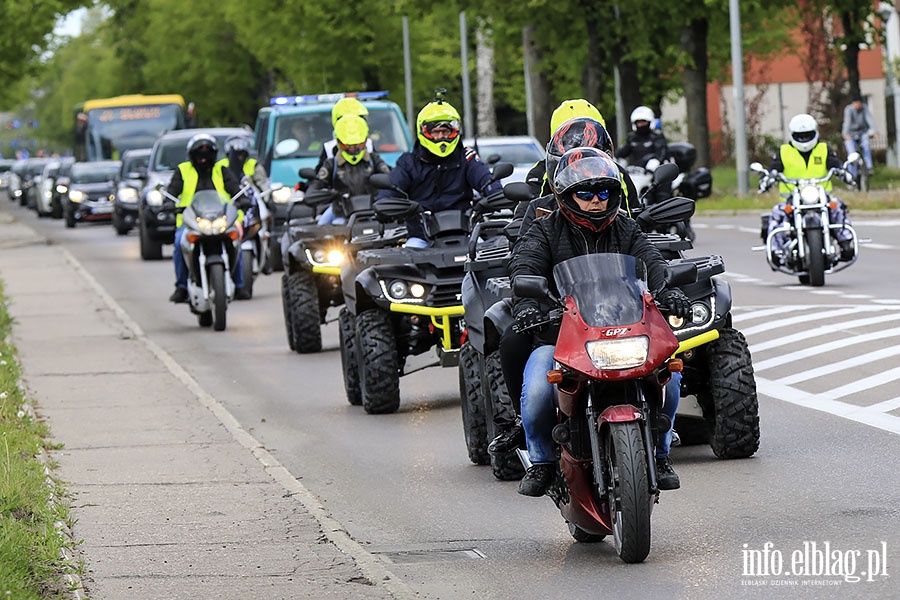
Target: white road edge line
(370, 565)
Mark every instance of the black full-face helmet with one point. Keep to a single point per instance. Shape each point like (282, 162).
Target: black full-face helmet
(589, 172)
(580, 132)
(202, 150)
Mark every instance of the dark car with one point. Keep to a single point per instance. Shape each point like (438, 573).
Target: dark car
(157, 225)
(31, 175)
(129, 184)
(91, 189)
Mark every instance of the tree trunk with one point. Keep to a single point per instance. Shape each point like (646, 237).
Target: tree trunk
(693, 79)
(850, 21)
(539, 83)
(486, 116)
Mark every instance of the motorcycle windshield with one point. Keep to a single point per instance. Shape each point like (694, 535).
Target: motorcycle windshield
(607, 288)
(208, 203)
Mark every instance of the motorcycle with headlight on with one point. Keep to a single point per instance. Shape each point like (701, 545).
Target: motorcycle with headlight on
(211, 246)
(806, 243)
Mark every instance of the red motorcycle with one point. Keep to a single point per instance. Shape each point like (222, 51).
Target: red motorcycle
(612, 361)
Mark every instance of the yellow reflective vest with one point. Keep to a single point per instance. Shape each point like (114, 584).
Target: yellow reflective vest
(190, 178)
(797, 168)
(249, 165)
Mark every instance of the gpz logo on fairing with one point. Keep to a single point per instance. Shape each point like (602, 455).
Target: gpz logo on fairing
(616, 332)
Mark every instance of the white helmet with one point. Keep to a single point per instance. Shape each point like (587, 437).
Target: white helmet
(641, 113)
(804, 132)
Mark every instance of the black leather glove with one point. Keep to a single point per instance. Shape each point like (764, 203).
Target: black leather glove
(527, 317)
(243, 203)
(675, 302)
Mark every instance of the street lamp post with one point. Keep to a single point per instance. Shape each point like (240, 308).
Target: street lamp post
(891, 20)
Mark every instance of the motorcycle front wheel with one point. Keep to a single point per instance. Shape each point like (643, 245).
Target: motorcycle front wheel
(815, 256)
(247, 270)
(629, 491)
(216, 276)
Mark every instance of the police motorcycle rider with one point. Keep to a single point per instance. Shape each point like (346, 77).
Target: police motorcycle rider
(588, 192)
(805, 157)
(348, 171)
(195, 174)
(439, 173)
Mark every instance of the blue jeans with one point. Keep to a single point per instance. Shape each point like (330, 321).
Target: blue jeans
(416, 242)
(181, 269)
(864, 148)
(539, 409)
(673, 395)
(329, 218)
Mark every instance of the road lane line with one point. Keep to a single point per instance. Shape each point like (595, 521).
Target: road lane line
(828, 369)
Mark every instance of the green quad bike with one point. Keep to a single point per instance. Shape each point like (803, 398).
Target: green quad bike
(402, 310)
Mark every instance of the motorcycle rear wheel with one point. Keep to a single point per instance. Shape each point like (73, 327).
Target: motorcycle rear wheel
(216, 276)
(815, 249)
(629, 491)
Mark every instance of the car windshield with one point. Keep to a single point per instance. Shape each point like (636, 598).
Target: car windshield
(515, 153)
(94, 172)
(169, 153)
(132, 163)
(313, 129)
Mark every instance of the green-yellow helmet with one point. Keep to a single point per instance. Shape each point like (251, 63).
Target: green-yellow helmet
(351, 132)
(438, 128)
(569, 109)
(347, 106)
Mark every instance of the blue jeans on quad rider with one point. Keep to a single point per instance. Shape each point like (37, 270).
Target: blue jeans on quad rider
(539, 408)
(181, 269)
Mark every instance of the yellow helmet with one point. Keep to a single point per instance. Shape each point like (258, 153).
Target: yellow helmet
(347, 106)
(438, 115)
(351, 132)
(569, 109)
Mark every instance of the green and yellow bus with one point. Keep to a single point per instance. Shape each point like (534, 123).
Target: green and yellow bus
(107, 127)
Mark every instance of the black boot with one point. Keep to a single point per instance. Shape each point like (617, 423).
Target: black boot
(509, 440)
(179, 296)
(666, 477)
(846, 250)
(537, 480)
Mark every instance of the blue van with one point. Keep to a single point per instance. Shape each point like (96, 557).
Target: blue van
(291, 131)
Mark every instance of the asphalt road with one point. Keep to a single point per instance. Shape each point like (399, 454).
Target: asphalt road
(827, 374)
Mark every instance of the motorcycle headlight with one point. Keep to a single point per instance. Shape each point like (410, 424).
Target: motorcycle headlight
(76, 196)
(622, 353)
(154, 198)
(212, 227)
(282, 195)
(128, 194)
(809, 194)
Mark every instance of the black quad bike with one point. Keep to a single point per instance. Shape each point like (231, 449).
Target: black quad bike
(312, 255)
(403, 310)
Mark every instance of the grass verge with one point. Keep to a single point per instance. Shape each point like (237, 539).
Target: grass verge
(31, 546)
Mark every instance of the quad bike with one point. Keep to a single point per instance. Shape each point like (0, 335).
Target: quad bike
(402, 305)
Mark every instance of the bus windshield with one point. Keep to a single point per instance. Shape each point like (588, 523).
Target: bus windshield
(110, 127)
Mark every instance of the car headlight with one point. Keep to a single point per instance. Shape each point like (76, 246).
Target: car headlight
(809, 194)
(62, 189)
(154, 198)
(76, 196)
(128, 194)
(622, 353)
(282, 195)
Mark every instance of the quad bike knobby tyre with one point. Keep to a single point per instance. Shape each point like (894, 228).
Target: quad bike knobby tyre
(379, 362)
(472, 401)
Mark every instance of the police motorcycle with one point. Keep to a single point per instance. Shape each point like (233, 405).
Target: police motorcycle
(403, 304)
(719, 404)
(210, 245)
(312, 256)
(810, 249)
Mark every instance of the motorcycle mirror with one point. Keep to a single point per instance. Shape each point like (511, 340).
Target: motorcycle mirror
(501, 170)
(530, 286)
(382, 181)
(275, 187)
(518, 191)
(286, 147)
(853, 157)
(757, 167)
(665, 173)
(493, 158)
(307, 173)
(681, 273)
(318, 197)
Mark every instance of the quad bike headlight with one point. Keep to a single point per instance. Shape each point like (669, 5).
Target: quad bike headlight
(398, 290)
(621, 353)
(323, 257)
(699, 316)
(809, 194)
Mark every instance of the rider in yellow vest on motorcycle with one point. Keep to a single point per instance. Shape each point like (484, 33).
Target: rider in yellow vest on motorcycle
(198, 173)
(805, 157)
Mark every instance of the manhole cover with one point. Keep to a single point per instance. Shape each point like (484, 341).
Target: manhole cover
(422, 556)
